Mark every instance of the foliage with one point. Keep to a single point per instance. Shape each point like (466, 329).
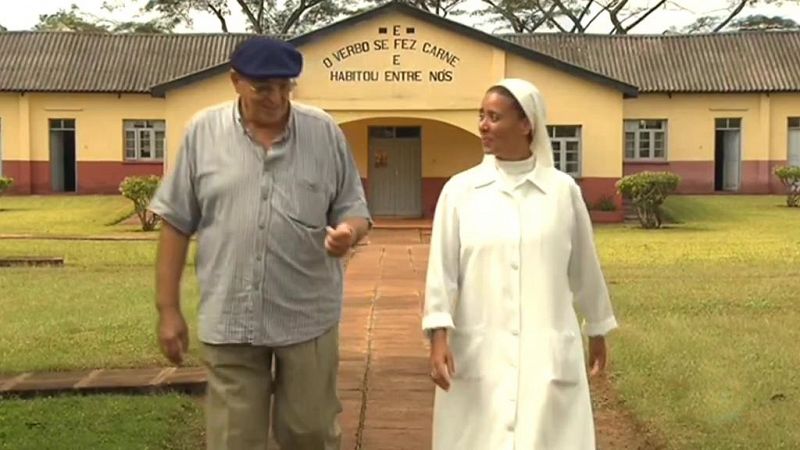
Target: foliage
(140, 190)
(790, 177)
(725, 18)
(74, 19)
(760, 22)
(263, 16)
(577, 16)
(606, 203)
(648, 190)
(5, 184)
(442, 8)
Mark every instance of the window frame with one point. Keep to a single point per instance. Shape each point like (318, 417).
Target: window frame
(560, 158)
(651, 133)
(141, 128)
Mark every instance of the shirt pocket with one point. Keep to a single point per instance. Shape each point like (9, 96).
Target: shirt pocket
(565, 358)
(310, 205)
(469, 357)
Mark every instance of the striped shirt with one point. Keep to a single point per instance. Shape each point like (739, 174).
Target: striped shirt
(260, 216)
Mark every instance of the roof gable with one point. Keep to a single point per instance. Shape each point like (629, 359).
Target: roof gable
(392, 7)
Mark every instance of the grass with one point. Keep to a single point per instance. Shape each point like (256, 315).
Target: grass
(101, 422)
(708, 310)
(97, 311)
(705, 356)
(64, 215)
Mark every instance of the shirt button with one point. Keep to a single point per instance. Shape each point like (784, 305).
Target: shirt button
(261, 226)
(515, 332)
(264, 197)
(258, 258)
(514, 265)
(510, 427)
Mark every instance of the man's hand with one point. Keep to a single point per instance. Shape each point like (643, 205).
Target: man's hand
(173, 335)
(339, 240)
(442, 366)
(597, 355)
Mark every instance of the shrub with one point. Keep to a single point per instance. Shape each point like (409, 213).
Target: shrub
(647, 191)
(606, 203)
(5, 184)
(140, 190)
(790, 177)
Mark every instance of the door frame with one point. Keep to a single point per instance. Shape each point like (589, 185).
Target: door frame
(74, 130)
(723, 125)
(793, 128)
(371, 161)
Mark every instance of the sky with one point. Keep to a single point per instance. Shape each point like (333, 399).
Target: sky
(682, 12)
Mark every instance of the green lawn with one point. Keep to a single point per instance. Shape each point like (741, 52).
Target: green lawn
(66, 215)
(706, 354)
(97, 311)
(101, 422)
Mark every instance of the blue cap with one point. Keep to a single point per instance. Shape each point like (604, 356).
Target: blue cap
(261, 58)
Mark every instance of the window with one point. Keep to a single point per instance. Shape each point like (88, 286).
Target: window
(728, 124)
(566, 140)
(793, 156)
(395, 132)
(144, 140)
(645, 140)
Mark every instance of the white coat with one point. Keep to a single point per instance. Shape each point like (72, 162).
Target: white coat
(504, 270)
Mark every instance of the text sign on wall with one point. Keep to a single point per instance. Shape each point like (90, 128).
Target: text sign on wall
(396, 47)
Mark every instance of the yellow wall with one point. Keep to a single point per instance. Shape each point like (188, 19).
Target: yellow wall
(446, 150)
(783, 107)
(575, 101)
(98, 120)
(361, 48)
(690, 132)
(471, 65)
(184, 102)
(10, 123)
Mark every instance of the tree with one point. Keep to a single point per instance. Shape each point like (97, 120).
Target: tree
(263, 16)
(761, 22)
(576, 16)
(2, 28)
(443, 8)
(76, 20)
(568, 16)
(719, 22)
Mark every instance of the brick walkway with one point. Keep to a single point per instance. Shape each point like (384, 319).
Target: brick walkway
(386, 395)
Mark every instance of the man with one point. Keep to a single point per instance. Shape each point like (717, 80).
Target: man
(271, 190)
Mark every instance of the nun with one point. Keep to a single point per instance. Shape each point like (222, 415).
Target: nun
(513, 284)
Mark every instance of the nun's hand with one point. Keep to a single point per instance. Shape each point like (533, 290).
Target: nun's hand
(597, 355)
(442, 366)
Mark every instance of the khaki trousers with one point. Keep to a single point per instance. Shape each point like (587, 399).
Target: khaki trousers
(302, 394)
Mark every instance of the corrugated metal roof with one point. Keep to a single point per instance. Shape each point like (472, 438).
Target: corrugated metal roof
(724, 62)
(727, 62)
(86, 62)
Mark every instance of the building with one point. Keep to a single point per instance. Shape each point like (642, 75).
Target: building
(78, 112)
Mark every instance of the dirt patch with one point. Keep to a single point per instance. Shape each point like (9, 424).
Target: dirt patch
(31, 261)
(617, 428)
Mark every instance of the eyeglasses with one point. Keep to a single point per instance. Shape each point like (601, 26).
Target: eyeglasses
(271, 87)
